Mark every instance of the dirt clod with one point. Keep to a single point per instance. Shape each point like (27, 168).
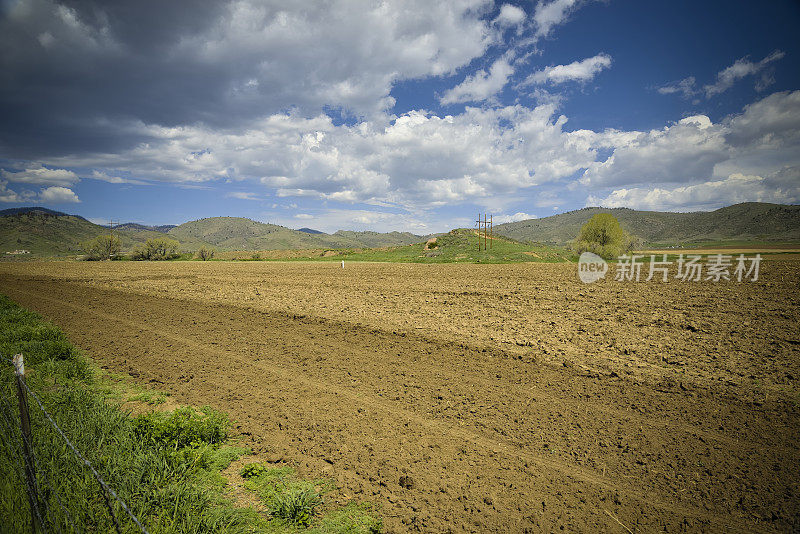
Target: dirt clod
(406, 482)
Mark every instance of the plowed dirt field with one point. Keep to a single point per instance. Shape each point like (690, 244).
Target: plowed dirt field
(508, 397)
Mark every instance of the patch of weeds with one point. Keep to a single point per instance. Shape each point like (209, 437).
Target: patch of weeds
(152, 398)
(266, 483)
(213, 457)
(352, 519)
(254, 470)
(296, 502)
(183, 427)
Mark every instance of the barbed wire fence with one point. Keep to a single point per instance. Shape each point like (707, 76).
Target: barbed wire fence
(21, 444)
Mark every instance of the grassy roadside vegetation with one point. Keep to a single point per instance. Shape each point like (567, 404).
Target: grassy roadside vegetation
(166, 465)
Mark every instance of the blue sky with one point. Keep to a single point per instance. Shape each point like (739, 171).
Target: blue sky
(396, 115)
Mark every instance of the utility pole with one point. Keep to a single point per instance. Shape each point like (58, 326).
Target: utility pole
(479, 232)
(485, 231)
(111, 240)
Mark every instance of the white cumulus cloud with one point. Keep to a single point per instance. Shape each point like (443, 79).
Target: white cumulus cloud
(481, 85)
(548, 15)
(7, 195)
(39, 175)
(105, 177)
(577, 71)
(741, 68)
(683, 152)
(421, 160)
(58, 195)
(519, 216)
(753, 155)
(510, 16)
(783, 188)
(418, 158)
(685, 87)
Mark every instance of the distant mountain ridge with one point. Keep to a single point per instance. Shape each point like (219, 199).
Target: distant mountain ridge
(36, 209)
(51, 233)
(47, 232)
(237, 233)
(743, 222)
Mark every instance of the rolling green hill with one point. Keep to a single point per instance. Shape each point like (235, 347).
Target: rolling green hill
(49, 233)
(44, 233)
(750, 221)
(376, 239)
(457, 246)
(237, 233)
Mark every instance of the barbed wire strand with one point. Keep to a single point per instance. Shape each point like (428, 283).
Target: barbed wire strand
(53, 490)
(11, 445)
(86, 462)
(32, 493)
(47, 480)
(43, 473)
(107, 489)
(40, 470)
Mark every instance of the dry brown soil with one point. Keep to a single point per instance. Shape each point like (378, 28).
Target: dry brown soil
(509, 397)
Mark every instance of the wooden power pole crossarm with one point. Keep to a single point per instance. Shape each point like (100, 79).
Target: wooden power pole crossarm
(485, 231)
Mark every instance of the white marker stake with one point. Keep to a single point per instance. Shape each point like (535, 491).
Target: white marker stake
(342, 264)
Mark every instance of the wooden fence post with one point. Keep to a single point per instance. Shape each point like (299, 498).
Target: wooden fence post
(27, 441)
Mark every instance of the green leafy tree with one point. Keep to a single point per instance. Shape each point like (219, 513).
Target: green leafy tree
(102, 247)
(603, 235)
(159, 248)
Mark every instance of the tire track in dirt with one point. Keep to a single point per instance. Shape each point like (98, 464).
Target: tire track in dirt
(433, 426)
